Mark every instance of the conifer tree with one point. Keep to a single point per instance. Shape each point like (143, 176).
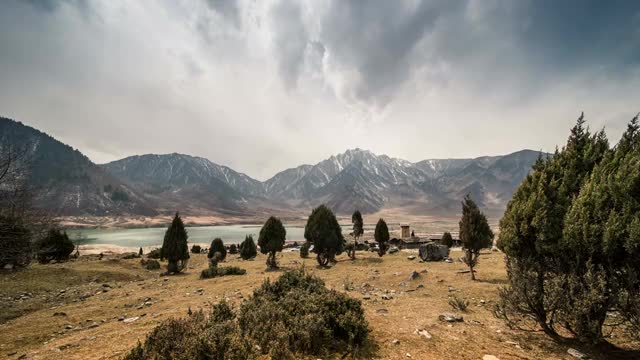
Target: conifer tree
(324, 232)
(56, 245)
(358, 230)
(447, 239)
(140, 252)
(174, 246)
(304, 249)
(248, 249)
(217, 246)
(475, 233)
(233, 249)
(271, 240)
(381, 235)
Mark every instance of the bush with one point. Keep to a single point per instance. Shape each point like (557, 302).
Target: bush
(217, 246)
(131, 255)
(294, 317)
(248, 248)
(304, 250)
(459, 304)
(196, 249)
(155, 254)
(55, 246)
(447, 239)
(221, 271)
(233, 249)
(150, 264)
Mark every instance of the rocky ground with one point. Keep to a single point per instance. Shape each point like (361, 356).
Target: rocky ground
(98, 309)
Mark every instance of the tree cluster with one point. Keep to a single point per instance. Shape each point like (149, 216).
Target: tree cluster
(571, 234)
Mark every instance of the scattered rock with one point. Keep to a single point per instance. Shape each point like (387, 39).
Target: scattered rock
(489, 357)
(448, 317)
(68, 326)
(422, 332)
(407, 355)
(131, 319)
(420, 286)
(451, 288)
(121, 318)
(393, 250)
(382, 311)
(395, 342)
(387, 297)
(411, 257)
(8, 267)
(94, 325)
(576, 354)
(414, 275)
(59, 314)
(366, 296)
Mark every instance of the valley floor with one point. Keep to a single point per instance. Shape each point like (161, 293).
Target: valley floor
(75, 310)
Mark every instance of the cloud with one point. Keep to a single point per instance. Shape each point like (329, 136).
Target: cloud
(265, 85)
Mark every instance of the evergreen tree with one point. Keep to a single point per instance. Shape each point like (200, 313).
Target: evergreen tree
(174, 246)
(140, 252)
(381, 235)
(358, 230)
(475, 233)
(447, 239)
(233, 249)
(531, 229)
(54, 246)
(217, 246)
(324, 232)
(248, 249)
(602, 229)
(271, 240)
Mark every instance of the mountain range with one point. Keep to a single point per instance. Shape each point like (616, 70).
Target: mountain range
(71, 184)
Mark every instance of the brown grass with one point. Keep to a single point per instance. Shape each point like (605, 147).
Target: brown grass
(43, 336)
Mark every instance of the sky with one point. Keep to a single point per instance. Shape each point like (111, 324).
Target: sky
(262, 86)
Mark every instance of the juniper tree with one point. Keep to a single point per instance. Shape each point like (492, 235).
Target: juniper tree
(217, 246)
(248, 249)
(358, 230)
(233, 249)
(324, 232)
(531, 229)
(304, 249)
(271, 240)
(55, 246)
(140, 252)
(602, 231)
(475, 233)
(381, 235)
(447, 239)
(174, 247)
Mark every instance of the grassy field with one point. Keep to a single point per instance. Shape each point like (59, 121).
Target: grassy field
(76, 310)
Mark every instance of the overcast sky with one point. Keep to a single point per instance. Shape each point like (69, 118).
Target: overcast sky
(262, 86)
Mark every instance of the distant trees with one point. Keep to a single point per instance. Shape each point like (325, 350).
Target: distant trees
(196, 249)
(304, 249)
(271, 240)
(217, 246)
(174, 246)
(570, 234)
(381, 235)
(447, 239)
(55, 246)
(324, 232)
(233, 249)
(358, 230)
(248, 249)
(475, 233)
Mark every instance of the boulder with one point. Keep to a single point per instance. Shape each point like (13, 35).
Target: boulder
(576, 354)
(414, 275)
(422, 332)
(433, 252)
(448, 317)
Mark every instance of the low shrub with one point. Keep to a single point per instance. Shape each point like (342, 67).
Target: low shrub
(150, 264)
(131, 255)
(196, 249)
(233, 249)
(304, 250)
(221, 271)
(55, 246)
(155, 254)
(459, 304)
(294, 317)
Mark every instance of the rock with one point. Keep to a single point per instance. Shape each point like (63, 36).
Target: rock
(382, 311)
(393, 250)
(448, 261)
(68, 326)
(451, 288)
(387, 297)
(131, 319)
(106, 285)
(414, 275)
(407, 355)
(148, 303)
(448, 317)
(139, 307)
(576, 354)
(59, 314)
(395, 342)
(411, 257)
(422, 332)
(121, 318)
(489, 357)
(8, 267)
(94, 325)
(366, 296)
(420, 286)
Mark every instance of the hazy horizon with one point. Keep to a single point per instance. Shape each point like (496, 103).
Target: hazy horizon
(265, 86)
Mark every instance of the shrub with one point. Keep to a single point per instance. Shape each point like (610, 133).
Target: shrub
(221, 271)
(155, 254)
(233, 249)
(248, 248)
(217, 246)
(150, 264)
(304, 250)
(174, 246)
(294, 317)
(459, 304)
(55, 246)
(324, 232)
(131, 255)
(381, 235)
(196, 249)
(271, 240)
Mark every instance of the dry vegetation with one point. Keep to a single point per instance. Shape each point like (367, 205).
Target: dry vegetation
(94, 308)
